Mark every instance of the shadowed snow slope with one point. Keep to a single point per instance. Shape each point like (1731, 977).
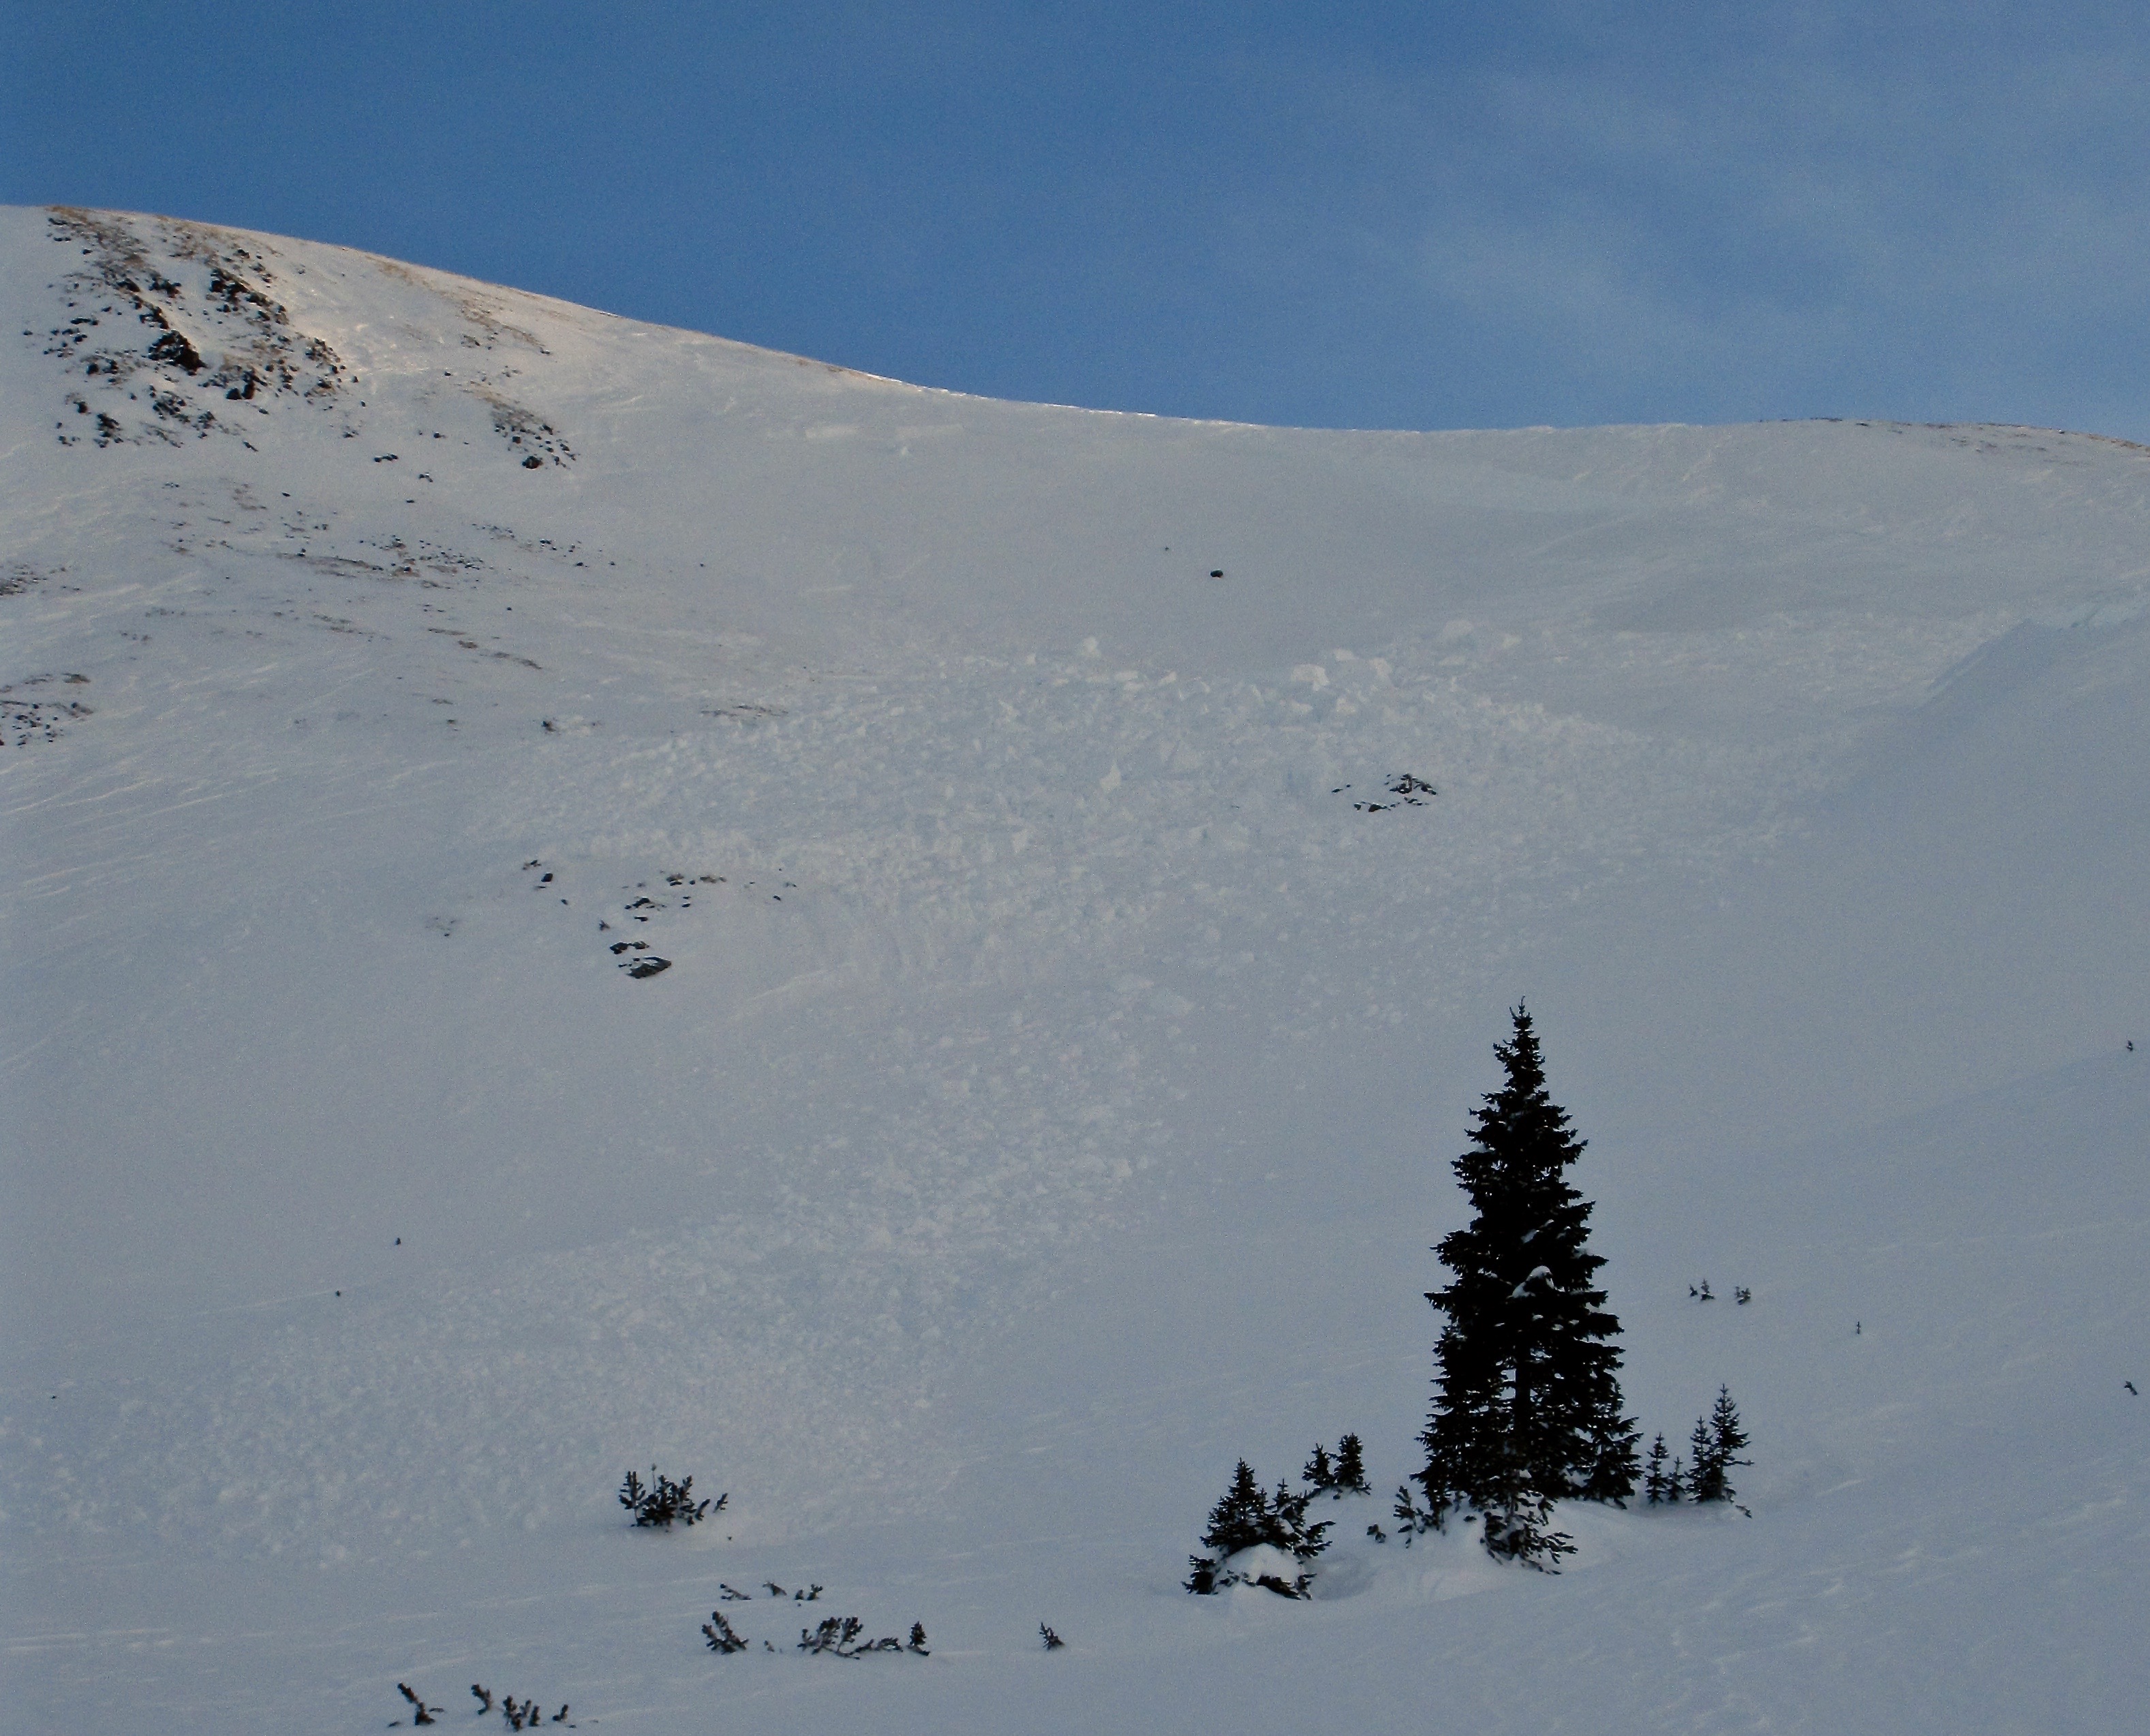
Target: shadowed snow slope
(578, 893)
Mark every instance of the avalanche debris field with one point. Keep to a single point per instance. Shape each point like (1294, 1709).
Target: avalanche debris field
(579, 896)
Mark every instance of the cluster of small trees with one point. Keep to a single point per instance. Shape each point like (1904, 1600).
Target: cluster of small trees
(1344, 1475)
(1528, 1409)
(1251, 1532)
(1714, 1449)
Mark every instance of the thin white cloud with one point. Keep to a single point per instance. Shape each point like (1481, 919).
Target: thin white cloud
(1937, 229)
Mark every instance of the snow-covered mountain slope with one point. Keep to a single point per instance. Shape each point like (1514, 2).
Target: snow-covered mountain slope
(1064, 1024)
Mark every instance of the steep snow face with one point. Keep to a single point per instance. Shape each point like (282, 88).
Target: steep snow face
(578, 893)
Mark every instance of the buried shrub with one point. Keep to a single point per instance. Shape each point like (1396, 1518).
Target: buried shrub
(421, 1712)
(661, 1503)
(1517, 1519)
(720, 1637)
(839, 1637)
(516, 1715)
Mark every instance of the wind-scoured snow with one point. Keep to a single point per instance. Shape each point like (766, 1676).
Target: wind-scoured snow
(577, 894)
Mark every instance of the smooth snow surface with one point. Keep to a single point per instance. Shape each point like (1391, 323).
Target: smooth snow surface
(1065, 1030)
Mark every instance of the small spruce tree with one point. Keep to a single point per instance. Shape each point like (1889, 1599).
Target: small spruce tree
(1305, 1538)
(1706, 1480)
(1655, 1484)
(1717, 1441)
(1242, 1518)
(1351, 1466)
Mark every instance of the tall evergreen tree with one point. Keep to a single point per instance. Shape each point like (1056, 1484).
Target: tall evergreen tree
(1527, 1392)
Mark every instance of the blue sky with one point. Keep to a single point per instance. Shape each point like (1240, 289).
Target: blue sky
(1420, 215)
